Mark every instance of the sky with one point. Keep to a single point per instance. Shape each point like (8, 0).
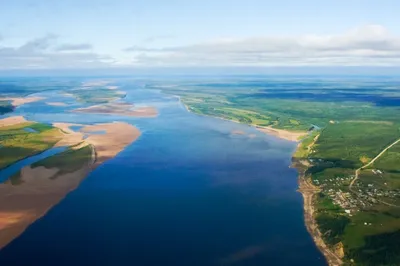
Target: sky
(97, 34)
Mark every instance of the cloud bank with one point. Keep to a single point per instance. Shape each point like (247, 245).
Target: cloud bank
(44, 53)
(368, 45)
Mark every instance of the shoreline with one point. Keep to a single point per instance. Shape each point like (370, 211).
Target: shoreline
(294, 136)
(307, 190)
(308, 193)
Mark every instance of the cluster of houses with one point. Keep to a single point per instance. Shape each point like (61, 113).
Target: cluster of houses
(366, 194)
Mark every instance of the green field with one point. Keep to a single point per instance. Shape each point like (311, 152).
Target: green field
(26, 139)
(353, 144)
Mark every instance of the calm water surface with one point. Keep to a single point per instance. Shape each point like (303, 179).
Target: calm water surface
(188, 192)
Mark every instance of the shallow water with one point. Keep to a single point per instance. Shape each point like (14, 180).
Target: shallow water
(30, 130)
(188, 192)
(16, 167)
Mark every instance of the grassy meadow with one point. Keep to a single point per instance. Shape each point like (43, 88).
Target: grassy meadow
(26, 139)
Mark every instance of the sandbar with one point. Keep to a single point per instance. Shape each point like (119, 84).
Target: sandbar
(113, 139)
(13, 120)
(119, 108)
(56, 104)
(40, 188)
(112, 87)
(238, 132)
(17, 101)
(116, 137)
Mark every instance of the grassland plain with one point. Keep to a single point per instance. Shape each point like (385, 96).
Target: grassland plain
(351, 126)
(25, 139)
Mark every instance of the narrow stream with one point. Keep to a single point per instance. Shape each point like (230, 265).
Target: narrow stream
(14, 168)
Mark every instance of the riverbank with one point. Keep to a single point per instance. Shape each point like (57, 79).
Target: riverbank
(294, 136)
(307, 190)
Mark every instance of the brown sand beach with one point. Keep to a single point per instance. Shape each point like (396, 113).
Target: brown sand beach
(283, 134)
(13, 120)
(38, 189)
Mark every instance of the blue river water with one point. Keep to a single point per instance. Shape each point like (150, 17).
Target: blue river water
(188, 192)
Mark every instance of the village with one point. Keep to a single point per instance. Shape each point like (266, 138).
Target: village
(364, 195)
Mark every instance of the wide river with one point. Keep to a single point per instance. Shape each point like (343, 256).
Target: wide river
(188, 192)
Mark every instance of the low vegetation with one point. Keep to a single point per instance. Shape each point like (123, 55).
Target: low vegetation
(26, 139)
(68, 161)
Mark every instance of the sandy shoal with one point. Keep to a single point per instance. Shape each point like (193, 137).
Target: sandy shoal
(17, 101)
(283, 134)
(116, 137)
(56, 104)
(23, 204)
(112, 87)
(13, 120)
(41, 188)
(119, 109)
(238, 132)
(95, 83)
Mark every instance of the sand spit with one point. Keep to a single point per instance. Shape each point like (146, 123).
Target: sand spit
(283, 134)
(56, 104)
(39, 189)
(113, 139)
(116, 137)
(13, 120)
(17, 101)
(119, 108)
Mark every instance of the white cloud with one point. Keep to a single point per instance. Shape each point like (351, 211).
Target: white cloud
(370, 45)
(367, 45)
(44, 53)
(74, 47)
